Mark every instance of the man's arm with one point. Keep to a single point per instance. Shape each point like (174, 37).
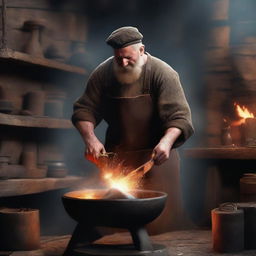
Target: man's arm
(93, 146)
(173, 109)
(162, 149)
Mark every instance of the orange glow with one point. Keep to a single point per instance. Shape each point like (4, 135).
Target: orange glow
(115, 175)
(118, 178)
(242, 112)
(87, 195)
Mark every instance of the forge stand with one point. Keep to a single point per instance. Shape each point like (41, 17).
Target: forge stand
(81, 244)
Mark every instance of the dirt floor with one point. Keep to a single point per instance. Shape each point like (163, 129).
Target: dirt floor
(179, 243)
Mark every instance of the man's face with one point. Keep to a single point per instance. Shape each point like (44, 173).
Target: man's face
(128, 62)
(127, 57)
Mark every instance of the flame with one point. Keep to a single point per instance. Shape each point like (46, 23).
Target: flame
(118, 178)
(115, 175)
(242, 112)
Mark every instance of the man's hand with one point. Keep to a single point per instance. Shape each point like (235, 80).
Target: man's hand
(93, 146)
(162, 150)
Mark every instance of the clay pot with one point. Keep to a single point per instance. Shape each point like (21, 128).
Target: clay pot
(54, 104)
(56, 169)
(12, 147)
(54, 52)
(227, 228)
(34, 103)
(6, 105)
(29, 161)
(29, 155)
(20, 229)
(79, 57)
(248, 185)
(33, 46)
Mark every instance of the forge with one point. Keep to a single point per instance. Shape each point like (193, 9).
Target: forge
(91, 209)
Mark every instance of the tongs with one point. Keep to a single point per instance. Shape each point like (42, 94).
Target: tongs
(103, 159)
(106, 158)
(143, 169)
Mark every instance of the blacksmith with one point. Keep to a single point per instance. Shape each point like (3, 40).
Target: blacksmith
(142, 100)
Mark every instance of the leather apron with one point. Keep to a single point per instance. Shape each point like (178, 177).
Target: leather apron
(133, 132)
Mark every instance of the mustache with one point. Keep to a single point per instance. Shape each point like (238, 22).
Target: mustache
(125, 69)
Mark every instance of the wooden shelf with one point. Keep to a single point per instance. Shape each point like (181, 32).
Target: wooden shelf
(17, 187)
(23, 58)
(242, 153)
(34, 121)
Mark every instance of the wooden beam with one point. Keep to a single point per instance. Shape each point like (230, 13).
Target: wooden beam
(16, 187)
(23, 58)
(35, 121)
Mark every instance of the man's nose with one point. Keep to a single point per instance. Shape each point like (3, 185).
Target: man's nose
(124, 62)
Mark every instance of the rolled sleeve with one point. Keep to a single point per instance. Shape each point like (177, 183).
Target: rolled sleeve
(88, 106)
(173, 107)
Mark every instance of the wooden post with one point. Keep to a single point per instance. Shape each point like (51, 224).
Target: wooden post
(3, 44)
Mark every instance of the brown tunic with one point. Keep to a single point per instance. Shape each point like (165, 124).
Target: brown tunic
(138, 115)
(165, 90)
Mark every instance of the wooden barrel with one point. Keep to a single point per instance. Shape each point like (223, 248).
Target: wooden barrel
(249, 224)
(227, 228)
(20, 229)
(248, 187)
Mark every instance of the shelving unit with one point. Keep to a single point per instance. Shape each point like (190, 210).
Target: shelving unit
(8, 55)
(34, 121)
(17, 187)
(21, 186)
(242, 153)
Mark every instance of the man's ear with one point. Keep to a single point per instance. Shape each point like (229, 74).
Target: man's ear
(142, 49)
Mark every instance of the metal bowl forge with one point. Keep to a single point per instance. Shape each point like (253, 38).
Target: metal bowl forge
(121, 213)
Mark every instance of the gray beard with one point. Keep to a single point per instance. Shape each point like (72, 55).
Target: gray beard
(129, 74)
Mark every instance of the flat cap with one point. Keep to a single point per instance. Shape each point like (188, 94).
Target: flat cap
(123, 37)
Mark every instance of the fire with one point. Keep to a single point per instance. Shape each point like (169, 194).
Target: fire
(120, 184)
(118, 178)
(242, 112)
(88, 195)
